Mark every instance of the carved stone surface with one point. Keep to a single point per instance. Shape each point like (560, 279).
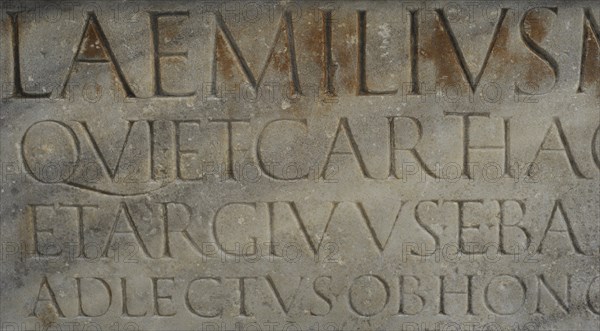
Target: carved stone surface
(331, 165)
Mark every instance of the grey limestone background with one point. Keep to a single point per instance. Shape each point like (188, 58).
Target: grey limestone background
(314, 165)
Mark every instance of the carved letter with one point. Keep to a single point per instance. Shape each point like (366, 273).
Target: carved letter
(95, 299)
(269, 171)
(565, 147)
(537, 50)
(363, 89)
(591, 33)
(285, 23)
(158, 54)
(472, 80)
(50, 297)
(393, 147)
(94, 48)
(18, 90)
(345, 127)
(558, 209)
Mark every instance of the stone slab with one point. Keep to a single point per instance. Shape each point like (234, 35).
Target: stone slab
(330, 165)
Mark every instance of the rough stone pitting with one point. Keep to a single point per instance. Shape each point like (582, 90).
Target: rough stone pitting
(337, 165)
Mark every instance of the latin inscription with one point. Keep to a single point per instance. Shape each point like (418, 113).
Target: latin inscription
(300, 166)
(227, 63)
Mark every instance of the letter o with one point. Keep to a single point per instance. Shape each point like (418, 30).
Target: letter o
(370, 303)
(506, 288)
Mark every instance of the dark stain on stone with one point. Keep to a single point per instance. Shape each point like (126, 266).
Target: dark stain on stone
(536, 26)
(314, 43)
(536, 72)
(591, 65)
(225, 62)
(92, 47)
(438, 49)
(281, 58)
(501, 49)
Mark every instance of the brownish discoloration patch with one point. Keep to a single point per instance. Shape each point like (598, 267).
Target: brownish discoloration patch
(536, 26)
(350, 84)
(537, 71)
(281, 58)
(438, 49)
(534, 69)
(92, 47)
(47, 316)
(169, 32)
(225, 62)
(313, 40)
(349, 80)
(346, 57)
(591, 63)
(500, 51)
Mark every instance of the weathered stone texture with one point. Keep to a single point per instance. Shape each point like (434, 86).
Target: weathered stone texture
(384, 165)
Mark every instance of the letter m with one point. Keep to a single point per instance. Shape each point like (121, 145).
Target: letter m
(222, 31)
